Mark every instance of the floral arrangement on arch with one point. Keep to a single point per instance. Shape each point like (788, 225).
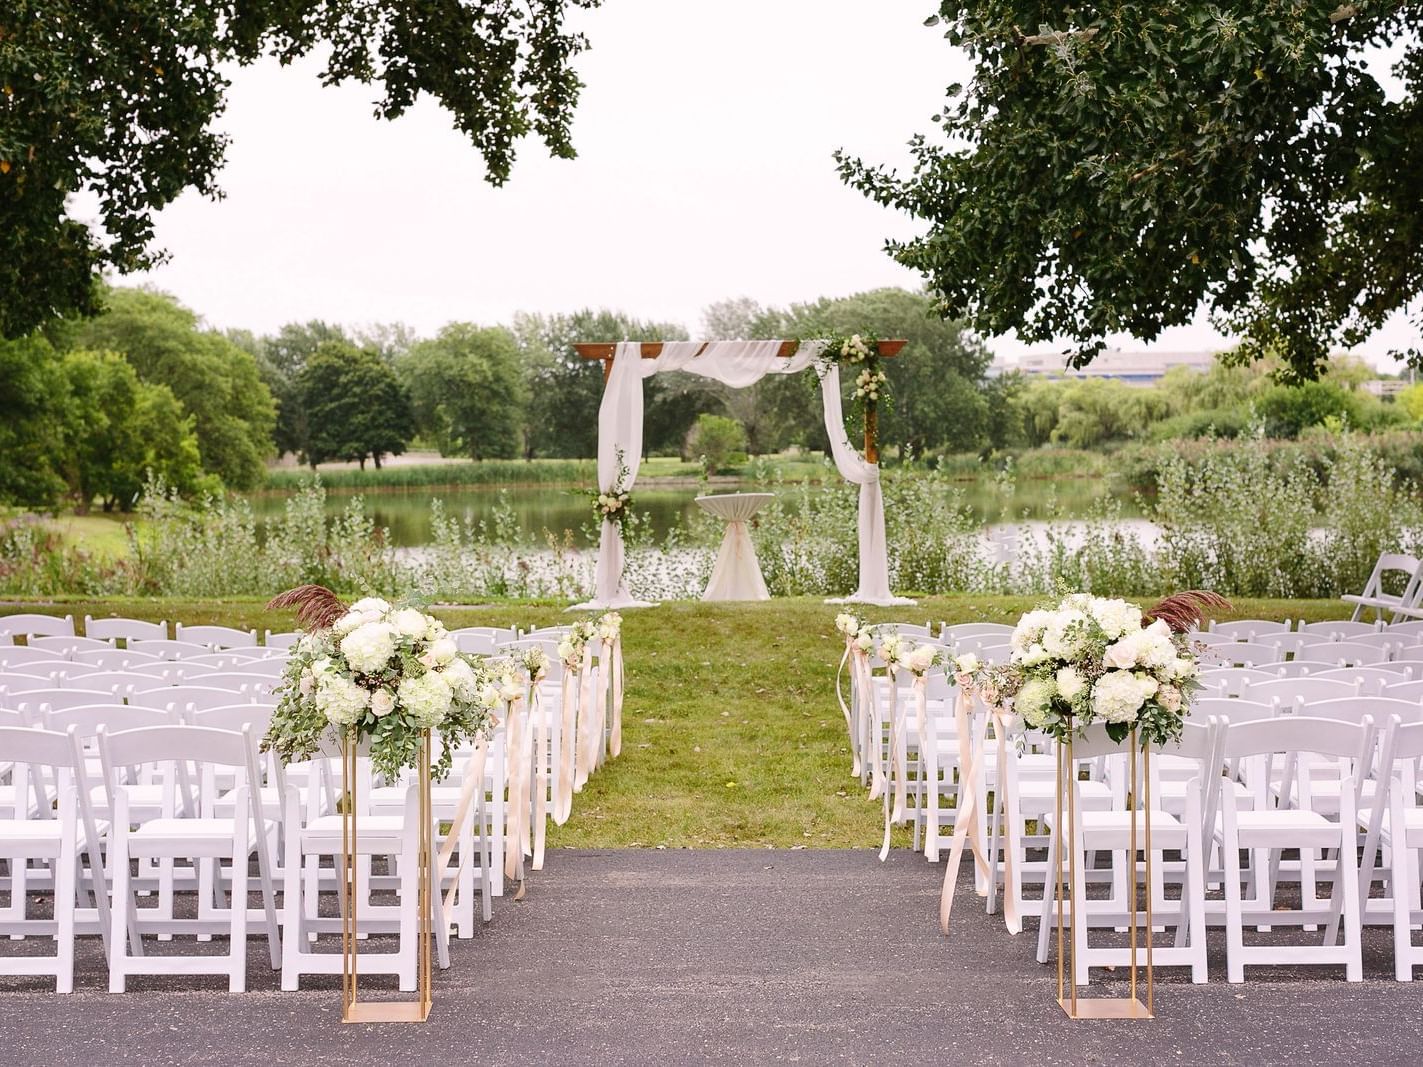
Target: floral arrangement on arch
(859, 352)
(614, 505)
(1092, 659)
(384, 674)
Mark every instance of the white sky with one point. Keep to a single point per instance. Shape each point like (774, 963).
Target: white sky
(704, 135)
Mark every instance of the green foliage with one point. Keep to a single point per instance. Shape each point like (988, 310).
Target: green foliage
(718, 441)
(355, 406)
(467, 391)
(30, 431)
(121, 97)
(218, 383)
(486, 472)
(1128, 162)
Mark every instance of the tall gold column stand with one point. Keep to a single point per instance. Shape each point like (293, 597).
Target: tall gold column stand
(1129, 1007)
(353, 1009)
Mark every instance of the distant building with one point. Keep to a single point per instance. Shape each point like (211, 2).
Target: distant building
(1135, 368)
(1384, 387)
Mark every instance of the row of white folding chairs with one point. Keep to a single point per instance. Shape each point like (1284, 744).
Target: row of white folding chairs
(33, 627)
(87, 651)
(150, 818)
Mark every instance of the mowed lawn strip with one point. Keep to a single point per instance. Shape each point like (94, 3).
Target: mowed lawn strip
(732, 735)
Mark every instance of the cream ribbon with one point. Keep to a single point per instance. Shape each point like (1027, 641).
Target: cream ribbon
(568, 697)
(590, 727)
(516, 832)
(869, 754)
(849, 658)
(892, 781)
(473, 779)
(542, 771)
(966, 815)
(613, 659)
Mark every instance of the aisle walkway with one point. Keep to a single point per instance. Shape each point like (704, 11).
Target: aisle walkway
(656, 957)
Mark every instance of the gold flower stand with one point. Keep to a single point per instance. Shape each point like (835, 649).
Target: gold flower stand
(353, 1009)
(1131, 1006)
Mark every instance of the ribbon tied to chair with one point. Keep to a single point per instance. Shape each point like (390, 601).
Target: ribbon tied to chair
(966, 815)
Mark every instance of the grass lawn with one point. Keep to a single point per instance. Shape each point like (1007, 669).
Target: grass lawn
(731, 732)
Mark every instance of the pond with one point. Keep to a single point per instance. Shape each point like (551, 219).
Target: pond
(406, 512)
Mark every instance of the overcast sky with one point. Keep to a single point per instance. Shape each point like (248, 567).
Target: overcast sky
(704, 136)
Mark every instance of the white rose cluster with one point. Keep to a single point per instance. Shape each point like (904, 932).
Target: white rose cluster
(868, 383)
(854, 349)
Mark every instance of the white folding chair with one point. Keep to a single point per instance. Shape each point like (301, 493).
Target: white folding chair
(117, 659)
(19, 657)
(203, 838)
(1395, 823)
(57, 837)
(64, 647)
(1267, 830)
(281, 639)
(1249, 629)
(32, 625)
(1292, 692)
(1229, 681)
(184, 699)
(1110, 831)
(1340, 629)
(1237, 654)
(1394, 567)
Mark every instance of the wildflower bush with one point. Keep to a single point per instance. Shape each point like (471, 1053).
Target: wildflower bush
(1243, 519)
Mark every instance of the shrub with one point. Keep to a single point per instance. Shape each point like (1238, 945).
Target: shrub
(716, 439)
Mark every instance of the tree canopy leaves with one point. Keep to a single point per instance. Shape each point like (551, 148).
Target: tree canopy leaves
(1111, 168)
(119, 97)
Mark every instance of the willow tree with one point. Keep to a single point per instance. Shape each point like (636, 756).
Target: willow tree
(1113, 167)
(118, 98)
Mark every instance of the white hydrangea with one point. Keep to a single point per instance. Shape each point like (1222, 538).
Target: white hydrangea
(1034, 701)
(1116, 617)
(1070, 683)
(425, 699)
(460, 677)
(412, 622)
(1032, 656)
(340, 700)
(444, 650)
(1119, 695)
(371, 603)
(1063, 637)
(348, 622)
(1029, 630)
(369, 647)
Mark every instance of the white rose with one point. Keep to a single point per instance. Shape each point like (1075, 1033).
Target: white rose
(307, 683)
(1070, 683)
(1170, 698)
(435, 630)
(460, 676)
(968, 663)
(510, 688)
(1122, 655)
(444, 650)
(382, 703)
(489, 695)
(371, 603)
(865, 641)
(1032, 656)
(369, 647)
(347, 622)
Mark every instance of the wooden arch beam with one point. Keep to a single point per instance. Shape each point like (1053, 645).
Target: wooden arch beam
(605, 351)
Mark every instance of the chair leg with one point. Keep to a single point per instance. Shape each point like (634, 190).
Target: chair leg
(121, 908)
(1234, 931)
(1347, 870)
(237, 972)
(64, 893)
(1405, 882)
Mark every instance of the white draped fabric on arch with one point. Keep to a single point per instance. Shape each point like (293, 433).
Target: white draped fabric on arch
(738, 364)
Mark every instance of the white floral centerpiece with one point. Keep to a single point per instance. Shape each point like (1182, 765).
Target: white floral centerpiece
(1094, 659)
(384, 674)
(856, 631)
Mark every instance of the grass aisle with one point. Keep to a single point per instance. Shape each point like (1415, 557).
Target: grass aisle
(731, 732)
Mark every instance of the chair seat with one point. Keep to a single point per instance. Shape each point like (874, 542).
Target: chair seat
(141, 798)
(377, 834)
(1274, 828)
(1112, 829)
(189, 837)
(1412, 826)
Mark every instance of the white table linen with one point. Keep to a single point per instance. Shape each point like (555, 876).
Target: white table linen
(737, 573)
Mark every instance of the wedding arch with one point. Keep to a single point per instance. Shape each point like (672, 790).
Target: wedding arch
(738, 364)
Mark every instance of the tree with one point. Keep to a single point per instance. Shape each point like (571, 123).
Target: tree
(467, 391)
(121, 96)
(217, 382)
(1114, 170)
(565, 390)
(31, 386)
(717, 439)
(355, 405)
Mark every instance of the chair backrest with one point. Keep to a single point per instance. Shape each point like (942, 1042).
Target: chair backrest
(1298, 733)
(1228, 681)
(281, 638)
(1369, 679)
(1411, 690)
(119, 683)
(39, 701)
(216, 636)
(1356, 709)
(156, 744)
(478, 644)
(19, 656)
(173, 671)
(13, 682)
(34, 625)
(913, 629)
(1349, 653)
(1412, 629)
(64, 646)
(115, 659)
(184, 698)
(974, 629)
(1239, 654)
(1295, 644)
(1291, 692)
(1203, 709)
(43, 748)
(991, 648)
(121, 629)
(168, 649)
(233, 717)
(87, 720)
(1249, 629)
(239, 682)
(1299, 668)
(1339, 629)
(1213, 638)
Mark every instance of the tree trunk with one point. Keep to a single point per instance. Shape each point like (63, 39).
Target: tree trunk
(376, 457)
(363, 463)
